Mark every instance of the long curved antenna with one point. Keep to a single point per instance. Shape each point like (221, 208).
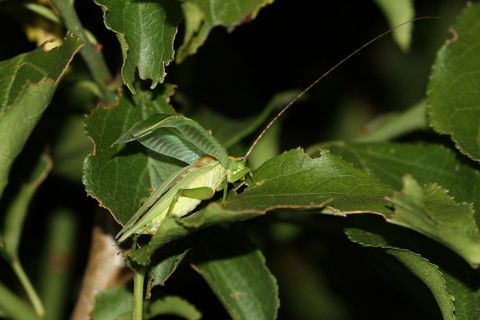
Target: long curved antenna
(338, 64)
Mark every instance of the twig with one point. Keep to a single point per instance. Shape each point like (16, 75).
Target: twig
(93, 58)
(104, 270)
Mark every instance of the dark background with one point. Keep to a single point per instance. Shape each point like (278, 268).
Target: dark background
(290, 44)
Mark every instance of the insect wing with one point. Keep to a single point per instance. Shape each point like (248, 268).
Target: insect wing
(142, 128)
(207, 172)
(188, 133)
(128, 228)
(170, 144)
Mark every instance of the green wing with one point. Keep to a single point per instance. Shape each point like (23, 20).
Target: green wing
(176, 136)
(128, 228)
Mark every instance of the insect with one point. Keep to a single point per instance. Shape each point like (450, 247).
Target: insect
(209, 168)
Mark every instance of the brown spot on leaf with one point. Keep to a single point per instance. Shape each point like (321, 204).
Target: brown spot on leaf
(453, 35)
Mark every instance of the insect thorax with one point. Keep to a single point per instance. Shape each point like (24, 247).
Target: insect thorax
(236, 169)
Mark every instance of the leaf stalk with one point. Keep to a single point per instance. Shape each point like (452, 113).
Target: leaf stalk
(29, 289)
(92, 57)
(13, 306)
(138, 281)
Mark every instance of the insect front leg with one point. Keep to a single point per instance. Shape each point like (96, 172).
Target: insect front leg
(200, 193)
(232, 177)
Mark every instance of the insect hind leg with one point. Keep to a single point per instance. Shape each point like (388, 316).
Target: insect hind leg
(200, 193)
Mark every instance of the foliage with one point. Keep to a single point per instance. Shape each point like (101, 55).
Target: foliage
(402, 188)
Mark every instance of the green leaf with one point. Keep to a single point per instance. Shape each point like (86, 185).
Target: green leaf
(398, 12)
(237, 274)
(71, 148)
(426, 271)
(116, 304)
(13, 226)
(160, 272)
(18, 208)
(194, 18)
(120, 177)
(173, 305)
(201, 16)
(43, 11)
(462, 284)
(113, 304)
(452, 92)
(27, 83)
(146, 31)
(169, 230)
(389, 162)
(438, 169)
(294, 180)
(391, 126)
(17, 73)
(432, 211)
(431, 276)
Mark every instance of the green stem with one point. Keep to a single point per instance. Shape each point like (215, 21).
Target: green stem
(138, 281)
(56, 265)
(14, 307)
(27, 285)
(93, 58)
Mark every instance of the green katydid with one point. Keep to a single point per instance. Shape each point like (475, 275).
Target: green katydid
(209, 168)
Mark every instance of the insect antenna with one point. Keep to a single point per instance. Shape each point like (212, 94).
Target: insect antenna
(338, 64)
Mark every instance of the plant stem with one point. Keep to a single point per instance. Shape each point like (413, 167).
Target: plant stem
(27, 285)
(93, 58)
(138, 281)
(14, 307)
(56, 263)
